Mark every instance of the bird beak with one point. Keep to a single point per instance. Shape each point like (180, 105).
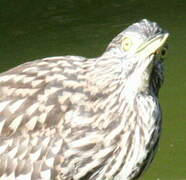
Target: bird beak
(151, 46)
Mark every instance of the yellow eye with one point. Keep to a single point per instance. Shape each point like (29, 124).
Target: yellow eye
(126, 43)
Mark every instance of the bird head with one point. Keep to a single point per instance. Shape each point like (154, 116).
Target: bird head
(141, 49)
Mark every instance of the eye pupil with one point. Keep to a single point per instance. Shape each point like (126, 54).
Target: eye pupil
(127, 43)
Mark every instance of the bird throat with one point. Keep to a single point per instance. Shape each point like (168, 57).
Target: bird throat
(139, 80)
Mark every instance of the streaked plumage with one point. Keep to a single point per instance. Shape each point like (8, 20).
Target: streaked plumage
(74, 118)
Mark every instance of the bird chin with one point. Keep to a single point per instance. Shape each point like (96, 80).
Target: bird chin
(147, 69)
(148, 63)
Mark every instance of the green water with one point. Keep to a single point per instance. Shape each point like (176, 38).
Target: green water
(35, 29)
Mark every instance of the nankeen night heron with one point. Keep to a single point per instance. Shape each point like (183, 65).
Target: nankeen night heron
(74, 118)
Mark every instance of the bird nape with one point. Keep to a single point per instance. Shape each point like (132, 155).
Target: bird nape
(74, 118)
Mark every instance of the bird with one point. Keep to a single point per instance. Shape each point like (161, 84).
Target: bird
(77, 118)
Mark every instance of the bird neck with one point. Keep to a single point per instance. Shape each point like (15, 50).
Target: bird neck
(103, 75)
(109, 76)
(136, 83)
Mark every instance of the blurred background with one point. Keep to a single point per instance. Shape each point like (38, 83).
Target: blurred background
(32, 29)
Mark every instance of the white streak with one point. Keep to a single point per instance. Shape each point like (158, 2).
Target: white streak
(3, 147)
(34, 156)
(13, 152)
(7, 77)
(16, 122)
(46, 174)
(3, 105)
(42, 118)
(31, 123)
(16, 105)
(50, 162)
(36, 83)
(32, 109)
(90, 139)
(42, 73)
(28, 79)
